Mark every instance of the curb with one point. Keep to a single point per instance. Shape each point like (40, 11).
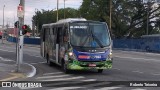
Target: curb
(33, 72)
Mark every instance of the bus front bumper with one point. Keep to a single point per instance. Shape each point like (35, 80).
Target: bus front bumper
(80, 65)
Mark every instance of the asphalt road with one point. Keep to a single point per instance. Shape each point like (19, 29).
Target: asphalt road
(127, 66)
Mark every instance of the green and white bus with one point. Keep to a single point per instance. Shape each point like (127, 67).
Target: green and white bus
(77, 44)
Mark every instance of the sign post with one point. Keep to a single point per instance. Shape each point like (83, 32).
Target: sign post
(20, 15)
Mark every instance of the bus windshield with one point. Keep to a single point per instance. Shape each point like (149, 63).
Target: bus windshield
(89, 34)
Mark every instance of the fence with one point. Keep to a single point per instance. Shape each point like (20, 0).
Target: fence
(35, 41)
(131, 44)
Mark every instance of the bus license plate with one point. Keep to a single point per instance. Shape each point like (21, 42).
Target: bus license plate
(92, 65)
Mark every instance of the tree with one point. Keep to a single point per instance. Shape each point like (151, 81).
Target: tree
(129, 17)
(50, 16)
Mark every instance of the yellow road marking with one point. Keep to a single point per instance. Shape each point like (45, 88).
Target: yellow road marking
(14, 76)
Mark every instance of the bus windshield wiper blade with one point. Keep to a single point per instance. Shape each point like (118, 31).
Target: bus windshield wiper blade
(98, 41)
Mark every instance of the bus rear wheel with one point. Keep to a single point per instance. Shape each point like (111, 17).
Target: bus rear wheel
(100, 70)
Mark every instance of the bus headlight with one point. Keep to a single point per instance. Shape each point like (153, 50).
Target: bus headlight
(110, 56)
(71, 56)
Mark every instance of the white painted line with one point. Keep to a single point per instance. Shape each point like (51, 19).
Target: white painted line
(6, 50)
(28, 87)
(64, 79)
(137, 71)
(68, 82)
(89, 80)
(65, 88)
(38, 63)
(137, 58)
(33, 72)
(108, 88)
(116, 68)
(153, 54)
(45, 77)
(5, 59)
(156, 74)
(96, 84)
(138, 89)
(25, 53)
(52, 73)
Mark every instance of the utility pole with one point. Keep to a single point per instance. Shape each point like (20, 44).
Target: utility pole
(3, 26)
(147, 18)
(64, 9)
(110, 16)
(20, 36)
(57, 9)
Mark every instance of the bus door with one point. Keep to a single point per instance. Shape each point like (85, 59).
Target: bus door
(58, 40)
(42, 42)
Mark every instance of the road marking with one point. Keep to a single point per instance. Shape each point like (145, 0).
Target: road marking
(137, 58)
(89, 80)
(154, 54)
(67, 82)
(38, 63)
(9, 78)
(52, 73)
(45, 77)
(25, 53)
(137, 71)
(6, 50)
(5, 59)
(138, 89)
(108, 88)
(65, 88)
(96, 84)
(116, 68)
(64, 79)
(15, 75)
(156, 74)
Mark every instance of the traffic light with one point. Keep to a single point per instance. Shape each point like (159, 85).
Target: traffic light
(16, 24)
(24, 29)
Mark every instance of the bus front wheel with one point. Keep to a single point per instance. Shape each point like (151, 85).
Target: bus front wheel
(100, 70)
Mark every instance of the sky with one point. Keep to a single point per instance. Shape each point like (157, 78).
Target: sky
(10, 8)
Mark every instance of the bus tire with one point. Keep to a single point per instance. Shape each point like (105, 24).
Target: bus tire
(64, 67)
(48, 61)
(100, 70)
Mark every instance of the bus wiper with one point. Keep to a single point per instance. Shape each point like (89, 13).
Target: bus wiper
(97, 40)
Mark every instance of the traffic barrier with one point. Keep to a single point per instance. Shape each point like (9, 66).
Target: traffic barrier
(34, 41)
(137, 44)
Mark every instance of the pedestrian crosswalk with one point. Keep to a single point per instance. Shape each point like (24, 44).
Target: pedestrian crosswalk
(61, 81)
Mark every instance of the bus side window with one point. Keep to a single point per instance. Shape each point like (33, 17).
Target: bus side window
(43, 34)
(65, 35)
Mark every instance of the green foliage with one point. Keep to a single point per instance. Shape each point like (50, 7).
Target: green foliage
(129, 17)
(50, 16)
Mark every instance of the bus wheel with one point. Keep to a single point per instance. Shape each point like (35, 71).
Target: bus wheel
(100, 70)
(64, 67)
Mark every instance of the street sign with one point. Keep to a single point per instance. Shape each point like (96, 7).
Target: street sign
(20, 11)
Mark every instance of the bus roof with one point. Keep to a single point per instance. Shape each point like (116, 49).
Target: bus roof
(71, 20)
(68, 20)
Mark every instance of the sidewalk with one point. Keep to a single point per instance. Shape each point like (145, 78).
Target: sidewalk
(8, 70)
